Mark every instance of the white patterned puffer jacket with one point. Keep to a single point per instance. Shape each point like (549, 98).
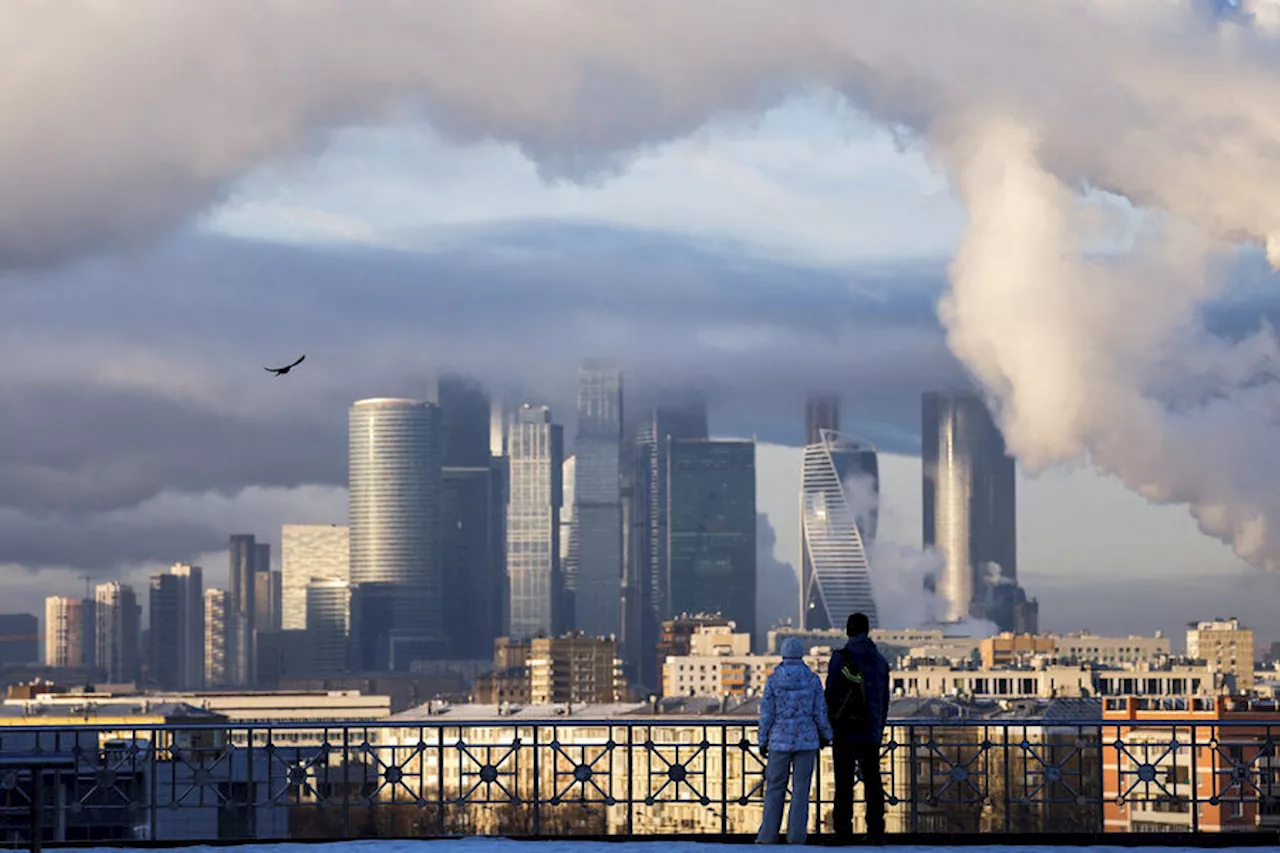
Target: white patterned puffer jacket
(793, 710)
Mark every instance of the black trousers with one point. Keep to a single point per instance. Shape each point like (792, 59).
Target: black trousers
(852, 760)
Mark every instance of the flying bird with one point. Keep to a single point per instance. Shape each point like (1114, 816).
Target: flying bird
(281, 371)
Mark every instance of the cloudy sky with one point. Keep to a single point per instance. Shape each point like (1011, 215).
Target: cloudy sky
(173, 222)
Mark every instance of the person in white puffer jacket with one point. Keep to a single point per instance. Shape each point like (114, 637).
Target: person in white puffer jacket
(793, 727)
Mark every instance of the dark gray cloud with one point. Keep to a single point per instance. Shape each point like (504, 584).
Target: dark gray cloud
(130, 381)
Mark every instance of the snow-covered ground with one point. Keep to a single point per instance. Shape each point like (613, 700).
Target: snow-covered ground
(502, 845)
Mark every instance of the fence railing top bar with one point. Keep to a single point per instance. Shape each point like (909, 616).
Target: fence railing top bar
(617, 723)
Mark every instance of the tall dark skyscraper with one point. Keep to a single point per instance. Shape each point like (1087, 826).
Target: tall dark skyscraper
(473, 580)
(267, 591)
(597, 499)
(970, 506)
(465, 422)
(677, 415)
(177, 629)
(820, 412)
(243, 579)
(711, 529)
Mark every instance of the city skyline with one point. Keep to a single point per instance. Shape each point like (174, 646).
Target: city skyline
(803, 239)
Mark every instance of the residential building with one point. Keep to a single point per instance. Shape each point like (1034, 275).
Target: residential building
(64, 640)
(711, 518)
(598, 501)
(395, 487)
(1008, 649)
(1227, 645)
(1189, 764)
(119, 638)
(309, 551)
(177, 647)
(1112, 651)
(574, 669)
(717, 675)
(675, 635)
(536, 455)
(220, 638)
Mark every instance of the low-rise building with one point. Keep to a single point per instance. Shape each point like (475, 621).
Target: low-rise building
(1202, 764)
(1226, 645)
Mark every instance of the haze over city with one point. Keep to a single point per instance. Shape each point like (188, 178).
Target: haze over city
(768, 204)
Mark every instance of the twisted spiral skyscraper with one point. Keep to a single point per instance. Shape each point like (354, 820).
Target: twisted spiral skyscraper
(839, 494)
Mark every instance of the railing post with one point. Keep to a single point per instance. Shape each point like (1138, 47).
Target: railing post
(724, 777)
(913, 774)
(440, 821)
(346, 785)
(37, 809)
(537, 785)
(1195, 780)
(1008, 781)
(631, 780)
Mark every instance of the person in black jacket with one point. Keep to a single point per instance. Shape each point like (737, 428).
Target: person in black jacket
(857, 692)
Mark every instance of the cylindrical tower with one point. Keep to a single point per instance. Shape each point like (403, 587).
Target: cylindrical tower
(969, 500)
(394, 494)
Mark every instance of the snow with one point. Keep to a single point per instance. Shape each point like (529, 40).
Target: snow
(503, 845)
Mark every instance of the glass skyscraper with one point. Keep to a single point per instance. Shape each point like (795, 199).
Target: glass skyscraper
(394, 501)
(309, 551)
(118, 626)
(597, 500)
(219, 638)
(473, 579)
(177, 628)
(839, 494)
(969, 501)
(328, 626)
(536, 454)
(711, 529)
(243, 580)
(678, 415)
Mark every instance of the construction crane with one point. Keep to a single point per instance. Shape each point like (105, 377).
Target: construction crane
(88, 585)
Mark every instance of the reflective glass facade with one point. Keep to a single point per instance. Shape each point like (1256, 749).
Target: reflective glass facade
(536, 455)
(394, 501)
(970, 505)
(711, 536)
(598, 502)
(309, 551)
(838, 517)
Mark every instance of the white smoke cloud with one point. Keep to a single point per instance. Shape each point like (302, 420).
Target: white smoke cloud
(123, 119)
(902, 577)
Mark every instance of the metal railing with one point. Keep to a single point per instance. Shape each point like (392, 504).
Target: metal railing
(107, 783)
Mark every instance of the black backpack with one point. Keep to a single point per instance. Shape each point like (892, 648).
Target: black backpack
(847, 704)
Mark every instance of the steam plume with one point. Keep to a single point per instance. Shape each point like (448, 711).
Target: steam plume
(122, 119)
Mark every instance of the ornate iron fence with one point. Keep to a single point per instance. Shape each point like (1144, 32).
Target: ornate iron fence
(627, 777)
